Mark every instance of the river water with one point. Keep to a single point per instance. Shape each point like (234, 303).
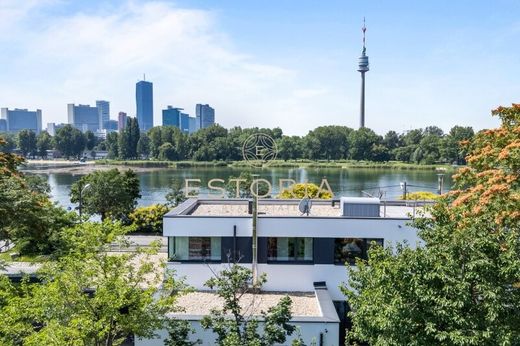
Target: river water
(343, 182)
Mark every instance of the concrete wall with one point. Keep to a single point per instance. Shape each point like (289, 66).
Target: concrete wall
(309, 331)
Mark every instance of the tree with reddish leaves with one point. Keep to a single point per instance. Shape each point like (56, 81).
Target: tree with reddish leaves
(463, 286)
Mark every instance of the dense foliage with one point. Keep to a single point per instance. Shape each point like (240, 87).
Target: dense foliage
(429, 145)
(305, 190)
(148, 219)
(89, 296)
(463, 286)
(110, 193)
(29, 217)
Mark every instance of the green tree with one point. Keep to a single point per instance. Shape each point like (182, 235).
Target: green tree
(155, 140)
(463, 286)
(90, 296)
(90, 140)
(230, 324)
(112, 145)
(453, 149)
(175, 195)
(43, 143)
(179, 332)
(29, 218)
(9, 142)
(363, 143)
(328, 142)
(290, 148)
(135, 134)
(167, 152)
(143, 146)
(27, 142)
(70, 141)
(111, 193)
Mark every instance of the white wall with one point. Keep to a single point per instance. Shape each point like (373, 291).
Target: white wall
(280, 277)
(392, 230)
(309, 332)
(206, 226)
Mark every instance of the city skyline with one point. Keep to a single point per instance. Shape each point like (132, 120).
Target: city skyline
(260, 69)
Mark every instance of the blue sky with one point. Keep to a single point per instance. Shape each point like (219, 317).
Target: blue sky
(267, 63)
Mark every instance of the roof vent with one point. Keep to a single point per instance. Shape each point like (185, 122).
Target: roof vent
(360, 206)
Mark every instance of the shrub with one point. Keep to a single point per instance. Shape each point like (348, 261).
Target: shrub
(305, 190)
(148, 219)
(421, 196)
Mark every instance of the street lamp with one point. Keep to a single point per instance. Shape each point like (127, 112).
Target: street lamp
(81, 200)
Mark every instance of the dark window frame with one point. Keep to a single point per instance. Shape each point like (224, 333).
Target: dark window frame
(365, 247)
(197, 260)
(270, 259)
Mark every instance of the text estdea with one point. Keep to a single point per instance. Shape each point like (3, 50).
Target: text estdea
(217, 187)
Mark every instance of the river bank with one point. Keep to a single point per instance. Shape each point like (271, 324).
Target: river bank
(75, 167)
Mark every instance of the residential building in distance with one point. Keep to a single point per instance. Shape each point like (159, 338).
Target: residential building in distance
(22, 119)
(83, 117)
(144, 104)
(52, 128)
(104, 113)
(301, 246)
(121, 121)
(171, 116)
(205, 116)
(3, 125)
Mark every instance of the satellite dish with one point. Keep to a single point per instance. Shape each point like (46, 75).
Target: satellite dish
(305, 206)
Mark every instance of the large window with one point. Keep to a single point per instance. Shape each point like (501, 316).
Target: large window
(289, 249)
(347, 250)
(194, 248)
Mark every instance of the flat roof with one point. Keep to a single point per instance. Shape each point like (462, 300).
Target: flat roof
(200, 303)
(286, 208)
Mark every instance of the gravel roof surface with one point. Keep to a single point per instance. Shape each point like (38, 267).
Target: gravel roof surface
(200, 303)
(221, 209)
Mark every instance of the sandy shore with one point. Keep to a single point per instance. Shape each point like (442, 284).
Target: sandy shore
(75, 167)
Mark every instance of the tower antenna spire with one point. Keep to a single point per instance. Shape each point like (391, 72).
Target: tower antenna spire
(364, 29)
(363, 68)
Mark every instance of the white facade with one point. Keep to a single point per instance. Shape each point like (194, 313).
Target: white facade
(322, 236)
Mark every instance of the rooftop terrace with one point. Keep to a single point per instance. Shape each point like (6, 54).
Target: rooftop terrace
(286, 208)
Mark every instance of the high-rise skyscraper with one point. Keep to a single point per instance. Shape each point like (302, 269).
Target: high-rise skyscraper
(3, 125)
(185, 123)
(205, 116)
(22, 119)
(104, 113)
(363, 67)
(144, 103)
(171, 116)
(121, 121)
(192, 124)
(83, 117)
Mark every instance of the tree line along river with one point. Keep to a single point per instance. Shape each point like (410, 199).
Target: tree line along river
(343, 182)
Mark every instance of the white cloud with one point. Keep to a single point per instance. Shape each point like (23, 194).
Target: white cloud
(88, 56)
(51, 58)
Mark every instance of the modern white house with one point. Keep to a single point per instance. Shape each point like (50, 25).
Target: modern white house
(303, 255)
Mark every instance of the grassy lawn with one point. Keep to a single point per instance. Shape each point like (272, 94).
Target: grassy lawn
(6, 256)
